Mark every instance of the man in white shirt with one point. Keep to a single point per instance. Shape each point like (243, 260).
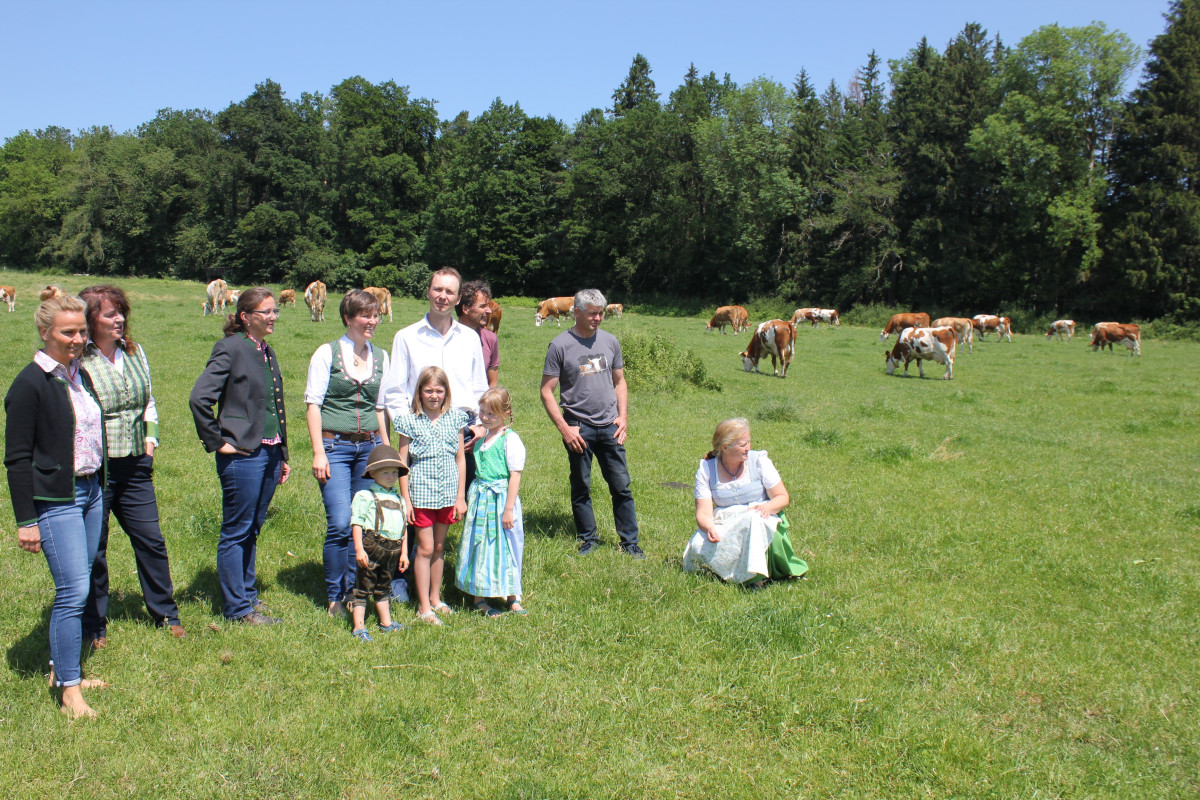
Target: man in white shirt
(437, 339)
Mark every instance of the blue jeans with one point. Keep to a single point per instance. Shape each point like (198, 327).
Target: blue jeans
(70, 536)
(130, 497)
(611, 457)
(347, 460)
(248, 484)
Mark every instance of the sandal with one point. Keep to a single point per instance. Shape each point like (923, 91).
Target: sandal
(443, 609)
(515, 607)
(483, 608)
(394, 626)
(361, 633)
(429, 617)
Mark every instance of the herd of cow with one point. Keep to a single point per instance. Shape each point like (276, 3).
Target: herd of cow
(916, 338)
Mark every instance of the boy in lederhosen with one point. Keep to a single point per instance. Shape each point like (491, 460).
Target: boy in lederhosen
(377, 522)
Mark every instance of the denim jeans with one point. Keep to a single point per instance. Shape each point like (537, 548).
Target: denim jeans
(247, 484)
(130, 497)
(346, 463)
(611, 457)
(70, 535)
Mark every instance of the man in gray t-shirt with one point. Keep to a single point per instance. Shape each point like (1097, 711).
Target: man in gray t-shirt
(585, 364)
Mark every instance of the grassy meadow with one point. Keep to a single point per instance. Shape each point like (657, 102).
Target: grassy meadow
(1002, 600)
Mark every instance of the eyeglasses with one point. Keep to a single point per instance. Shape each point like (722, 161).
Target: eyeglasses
(266, 312)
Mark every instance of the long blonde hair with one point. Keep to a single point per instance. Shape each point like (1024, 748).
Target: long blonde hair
(498, 401)
(430, 375)
(727, 432)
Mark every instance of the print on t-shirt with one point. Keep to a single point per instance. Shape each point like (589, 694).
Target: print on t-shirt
(593, 365)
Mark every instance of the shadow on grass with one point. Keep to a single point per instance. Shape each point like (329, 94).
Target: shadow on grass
(204, 591)
(29, 656)
(306, 580)
(550, 524)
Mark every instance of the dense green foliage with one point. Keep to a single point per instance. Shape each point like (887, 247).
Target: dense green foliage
(978, 177)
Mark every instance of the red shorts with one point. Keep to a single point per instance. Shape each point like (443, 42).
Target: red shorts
(425, 517)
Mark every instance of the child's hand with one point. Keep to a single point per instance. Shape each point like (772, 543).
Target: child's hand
(460, 509)
(402, 565)
(361, 557)
(410, 515)
(507, 520)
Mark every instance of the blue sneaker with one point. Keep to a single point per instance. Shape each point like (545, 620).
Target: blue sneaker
(361, 634)
(588, 547)
(395, 626)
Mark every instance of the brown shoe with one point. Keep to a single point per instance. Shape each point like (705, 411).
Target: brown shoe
(178, 632)
(99, 642)
(255, 618)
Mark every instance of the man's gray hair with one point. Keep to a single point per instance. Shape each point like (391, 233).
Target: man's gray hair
(588, 297)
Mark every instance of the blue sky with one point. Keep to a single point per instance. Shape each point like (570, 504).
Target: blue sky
(77, 64)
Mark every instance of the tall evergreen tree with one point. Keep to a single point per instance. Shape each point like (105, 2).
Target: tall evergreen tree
(1152, 263)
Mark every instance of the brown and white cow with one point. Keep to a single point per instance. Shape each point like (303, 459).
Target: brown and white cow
(214, 293)
(827, 315)
(964, 329)
(553, 307)
(231, 296)
(923, 344)
(9, 295)
(734, 316)
(314, 297)
(494, 315)
(1061, 326)
(1110, 333)
(898, 322)
(775, 338)
(986, 323)
(287, 297)
(384, 296)
(614, 310)
(804, 315)
(49, 292)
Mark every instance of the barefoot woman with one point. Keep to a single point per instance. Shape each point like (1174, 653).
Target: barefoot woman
(54, 452)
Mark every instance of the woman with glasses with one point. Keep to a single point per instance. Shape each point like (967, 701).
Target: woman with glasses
(248, 433)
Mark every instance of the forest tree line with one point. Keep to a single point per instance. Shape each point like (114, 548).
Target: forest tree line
(980, 176)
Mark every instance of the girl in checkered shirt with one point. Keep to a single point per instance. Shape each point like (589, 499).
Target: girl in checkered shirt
(434, 494)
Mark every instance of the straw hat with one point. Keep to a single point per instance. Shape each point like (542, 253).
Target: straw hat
(384, 456)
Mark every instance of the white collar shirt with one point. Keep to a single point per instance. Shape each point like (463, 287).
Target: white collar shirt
(459, 352)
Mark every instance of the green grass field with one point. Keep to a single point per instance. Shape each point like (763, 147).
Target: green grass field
(1002, 599)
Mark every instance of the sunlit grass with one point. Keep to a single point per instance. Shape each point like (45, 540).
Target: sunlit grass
(1002, 600)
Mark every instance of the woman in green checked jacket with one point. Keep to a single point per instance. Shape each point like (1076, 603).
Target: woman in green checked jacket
(121, 377)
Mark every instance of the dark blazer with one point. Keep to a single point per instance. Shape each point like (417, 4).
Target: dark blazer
(39, 441)
(233, 380)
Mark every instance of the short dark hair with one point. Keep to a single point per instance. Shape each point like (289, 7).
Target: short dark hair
(355, 302)
(466, 295)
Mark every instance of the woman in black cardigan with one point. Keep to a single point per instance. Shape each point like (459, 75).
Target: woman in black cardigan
(248, 433)
(54, 452)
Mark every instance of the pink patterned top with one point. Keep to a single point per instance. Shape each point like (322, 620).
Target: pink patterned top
(89, 425)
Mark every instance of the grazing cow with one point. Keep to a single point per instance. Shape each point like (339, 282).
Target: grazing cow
(287, 297)
(214, 294)
(314, 296)
(384, 296)
(1109, 333)
(494, 315)
(827, 315)
(923, 344)
(776, 338)
(734, 316)
(49, 292)
(964, 329)
(804, 315)
(231, 296)
(9, 295)
(898, 322)
(986, 323)
(553, 307)
(1061, 326)
(614, 310)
